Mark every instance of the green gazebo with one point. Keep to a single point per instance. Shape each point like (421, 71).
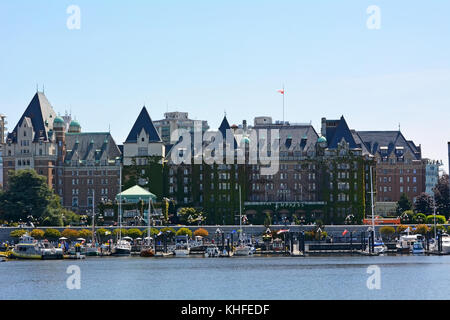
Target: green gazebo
(135, 194)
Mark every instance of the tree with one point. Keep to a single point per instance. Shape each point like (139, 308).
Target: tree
(419, 218)
(102, 234)
(401, 228)
(85, 234)
(116, 233)
(52, 234)
(28, 194)
(403, 204)
(37, 234)
(17, 233)
(165, 210)
(191, 216)
(134, 233)
(184, 231)
(424, 203)
(387, 232)
(439, 219)
(421, 229)
(442, 196)
(407, 217)
(200, 232)
(70, 234)
(267, 220)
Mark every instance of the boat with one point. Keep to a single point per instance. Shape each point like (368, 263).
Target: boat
(212, 251)
(181, 246)
(148, 251)
(418, 247)
(242, 249)
(29, 248)
(406, 242)
(379, 247)
(122, 247)
(445, 243)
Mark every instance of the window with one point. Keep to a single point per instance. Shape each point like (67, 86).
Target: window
(75, 202)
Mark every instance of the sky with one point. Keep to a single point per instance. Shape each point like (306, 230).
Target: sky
(209, 58)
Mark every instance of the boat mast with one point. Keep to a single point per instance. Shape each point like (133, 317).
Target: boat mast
(148, 220)
(93, 217)
(371, 197)
(240, 215)
(120, 202)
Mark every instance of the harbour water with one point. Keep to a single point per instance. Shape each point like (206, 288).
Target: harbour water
(249, 278)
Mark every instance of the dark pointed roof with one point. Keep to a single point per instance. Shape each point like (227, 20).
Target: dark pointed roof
(342, 132)
(375, 140)
(143, 122)
(91, 146)
(224, 126)
(41, 114)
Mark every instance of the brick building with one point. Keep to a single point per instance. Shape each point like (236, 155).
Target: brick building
(77, 165)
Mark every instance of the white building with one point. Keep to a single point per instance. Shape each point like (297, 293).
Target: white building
(174, 121)
(143, 141)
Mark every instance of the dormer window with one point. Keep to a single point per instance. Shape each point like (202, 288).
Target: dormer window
(143, 139)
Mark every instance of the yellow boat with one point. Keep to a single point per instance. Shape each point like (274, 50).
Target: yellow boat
(28, 248)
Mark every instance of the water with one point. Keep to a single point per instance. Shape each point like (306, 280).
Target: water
(250, 278)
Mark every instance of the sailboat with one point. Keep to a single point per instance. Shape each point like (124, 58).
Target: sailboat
(379, 246)
(242, 249)
(122, 247)
(92, 250)
(148, 251)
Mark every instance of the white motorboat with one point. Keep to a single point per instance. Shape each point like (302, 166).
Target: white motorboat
(181, 246)
(406, 242)
(445, 243)
(29, 248)
(242, 250)
(212, 251)
(379, 247)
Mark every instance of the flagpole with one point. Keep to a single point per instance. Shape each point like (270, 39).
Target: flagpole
(284, 92)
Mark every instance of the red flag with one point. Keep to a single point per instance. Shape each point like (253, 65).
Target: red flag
(345, 232)
(281, 91)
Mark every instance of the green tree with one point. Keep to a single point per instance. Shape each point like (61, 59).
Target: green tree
(52, 234)
(134, 233)
(387, 232)
(184, 231)
(407, 217)
(102, 234)
(442, 196)
(85, 234)
(190, 216)
(403, 204)
(267, 220)
(424, 203)
(439, 219)
(419, 218)
(28, 194)
(116, 233)
(38, 234)
(17, 233)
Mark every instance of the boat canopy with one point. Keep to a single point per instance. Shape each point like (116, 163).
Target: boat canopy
(135, 194)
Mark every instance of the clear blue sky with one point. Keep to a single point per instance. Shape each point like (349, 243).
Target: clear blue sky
(205, 57)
